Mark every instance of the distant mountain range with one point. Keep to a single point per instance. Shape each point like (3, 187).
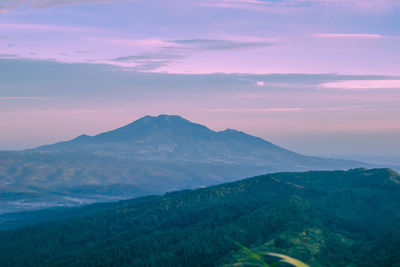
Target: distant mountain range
(152, 155)
(324, 218)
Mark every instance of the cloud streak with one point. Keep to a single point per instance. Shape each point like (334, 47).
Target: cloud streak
(349, 35)
(285, 109)
(217, 44)
(20, 98)
(192, 44)
(239, 4)
(8, 56)
(148, 61)
(6, 5)
(148, 43)
(362, 84)
(230, 110)
(44, 27)
(286, 5)
(257, 5)
(166, 52)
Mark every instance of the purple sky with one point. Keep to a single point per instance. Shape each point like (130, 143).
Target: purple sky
(85, 66)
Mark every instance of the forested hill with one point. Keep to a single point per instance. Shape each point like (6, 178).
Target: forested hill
(324, 218)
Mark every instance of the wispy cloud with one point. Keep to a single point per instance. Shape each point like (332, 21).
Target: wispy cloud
(288, 5)
(79, 111)
(192, 44)
(55, 3)
(21, 98)
(230, 110)
(6, 5)
(285, 109)
(148, 61)
(255, 5)
(44, 27)
(258, 5)
(163, 52)
(362, 84)
(146, 43)
(349, 35)
(8, 56)
(148, 56)
(281, 84)
(217, 44)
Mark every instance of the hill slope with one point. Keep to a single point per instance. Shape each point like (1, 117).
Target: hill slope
(323, 218)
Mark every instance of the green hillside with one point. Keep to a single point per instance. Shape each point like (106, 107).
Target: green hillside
(338, 218)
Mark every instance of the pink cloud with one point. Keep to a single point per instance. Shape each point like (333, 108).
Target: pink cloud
(229, 110)
(52, 3)
(43, 27)
(153, 42)
(349, 35)
(244, 4)
(374, 5)
(286, 109)
(362, 84)
(260, 83)
(246, 38)
(20, 98)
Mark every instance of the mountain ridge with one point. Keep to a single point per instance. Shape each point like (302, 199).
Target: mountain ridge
(132, 130)
(171, 137)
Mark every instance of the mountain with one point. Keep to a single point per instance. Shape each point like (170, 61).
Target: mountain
(152, 155)
(324, 218)
(173, 138)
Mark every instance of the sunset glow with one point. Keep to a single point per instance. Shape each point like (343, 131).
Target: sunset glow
(293, 72)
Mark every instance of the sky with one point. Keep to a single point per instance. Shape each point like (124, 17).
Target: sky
(320, 77)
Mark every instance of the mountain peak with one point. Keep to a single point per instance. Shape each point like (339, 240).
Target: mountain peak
(229, 130)
(170, 123)
(162, 119)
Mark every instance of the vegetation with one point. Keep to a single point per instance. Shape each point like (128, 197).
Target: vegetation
(257, 259)
(338, 218)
